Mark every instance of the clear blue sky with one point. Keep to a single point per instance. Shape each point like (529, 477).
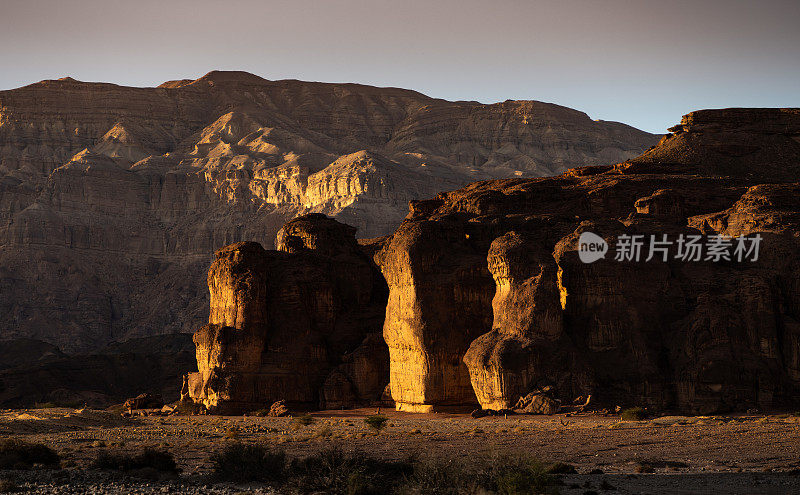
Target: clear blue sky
(641, 62)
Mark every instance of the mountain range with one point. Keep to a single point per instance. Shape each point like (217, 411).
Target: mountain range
(113, 199)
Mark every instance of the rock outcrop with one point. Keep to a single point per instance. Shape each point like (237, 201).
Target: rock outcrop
(527, 332)
(487, 283)
(756, 143)
(523, 295)
(112, 198)
(432, 268)
(297, 325)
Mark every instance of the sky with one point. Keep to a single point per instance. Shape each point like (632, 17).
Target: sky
(642, 62)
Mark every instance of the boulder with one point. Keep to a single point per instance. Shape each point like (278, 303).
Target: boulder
(144, 401)
(537, 403)
(480, 413)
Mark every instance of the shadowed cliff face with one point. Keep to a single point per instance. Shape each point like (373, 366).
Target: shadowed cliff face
(299, 324)
(34, 372)
(112, 197)
(698, 336)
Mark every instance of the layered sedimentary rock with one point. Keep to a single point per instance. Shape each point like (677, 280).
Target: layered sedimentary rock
(299, 324)
(112, 198)
(743, 142)
(431, 267)
(527, 331)
(487, 283)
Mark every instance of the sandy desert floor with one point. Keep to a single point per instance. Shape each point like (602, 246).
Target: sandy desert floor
(714, 454)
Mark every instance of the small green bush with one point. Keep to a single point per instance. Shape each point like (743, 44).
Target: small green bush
(645, 469)
(518, 475)
(16, 454)
(336, 472)
(439, 477)
(241, 463)
(501, 475)
(332, 471)
(159, 460)
(649, 465)
(377, 421)
(324, 432)
(9, 486)
(522, 482)
(634, 414)
(606, 486)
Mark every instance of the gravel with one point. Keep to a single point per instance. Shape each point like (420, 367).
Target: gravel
(94, 482)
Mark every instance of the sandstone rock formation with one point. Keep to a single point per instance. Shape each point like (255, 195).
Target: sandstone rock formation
(112, 198)
(299, 325)
(527, 331)
(742, 142)
(490, 274)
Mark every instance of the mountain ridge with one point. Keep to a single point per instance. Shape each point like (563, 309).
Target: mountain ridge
(113, 199)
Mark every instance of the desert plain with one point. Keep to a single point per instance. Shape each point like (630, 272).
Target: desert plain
(669, 454)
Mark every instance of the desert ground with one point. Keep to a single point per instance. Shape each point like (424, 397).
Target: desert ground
(673, 454)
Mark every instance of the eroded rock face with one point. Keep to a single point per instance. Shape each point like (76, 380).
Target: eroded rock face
(112, 198)
(696, 336)
(432, 268)
(297, 325)
(745, 142)
(527, 332)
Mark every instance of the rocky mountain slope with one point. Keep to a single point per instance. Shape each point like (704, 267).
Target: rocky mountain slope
(113, 198)
(38, 373)
(491, 295)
